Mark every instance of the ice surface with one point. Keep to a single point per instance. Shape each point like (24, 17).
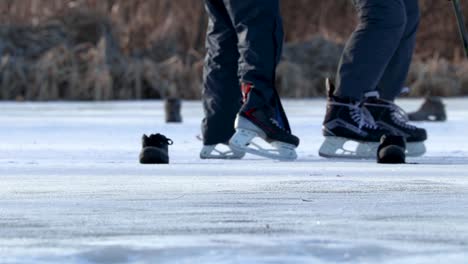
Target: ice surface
(72, 191)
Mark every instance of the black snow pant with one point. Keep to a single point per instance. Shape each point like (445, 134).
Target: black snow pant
(379, 53)
(244, 45)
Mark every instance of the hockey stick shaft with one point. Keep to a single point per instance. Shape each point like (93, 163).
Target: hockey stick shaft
(461, 24)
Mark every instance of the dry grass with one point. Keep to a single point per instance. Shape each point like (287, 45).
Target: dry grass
(120, 49)
(439, 77)
(305, 66)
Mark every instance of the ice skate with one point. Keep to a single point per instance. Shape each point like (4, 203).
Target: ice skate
(391, 117)
(433, 109)
(349, 129)
(267, 123)
(220, 151)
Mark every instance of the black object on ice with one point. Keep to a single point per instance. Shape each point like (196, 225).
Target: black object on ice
(173, 107)
(433, 109)
(155, 149)
(392, 150)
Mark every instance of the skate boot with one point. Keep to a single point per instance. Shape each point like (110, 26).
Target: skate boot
(391, 117)
(433, 109)
(155, 149)
(349, 129)
(267, 123)
(220, 151)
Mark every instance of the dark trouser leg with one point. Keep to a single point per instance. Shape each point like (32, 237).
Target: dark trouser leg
(397, 70)
(371, 47)
(259, 29)
(221, 92)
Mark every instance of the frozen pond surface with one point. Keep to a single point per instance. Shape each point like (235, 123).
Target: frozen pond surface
(72, 191)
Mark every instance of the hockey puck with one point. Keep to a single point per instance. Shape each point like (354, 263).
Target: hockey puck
(392, 150)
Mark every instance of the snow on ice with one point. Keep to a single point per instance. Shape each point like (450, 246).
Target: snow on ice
(72, 191)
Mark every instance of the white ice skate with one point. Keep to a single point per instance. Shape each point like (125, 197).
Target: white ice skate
(252, 139)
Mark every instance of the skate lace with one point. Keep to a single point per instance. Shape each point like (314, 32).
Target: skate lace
(400, 117)
(360, 115)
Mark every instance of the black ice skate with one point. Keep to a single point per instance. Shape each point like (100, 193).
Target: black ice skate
(269, 124)
(433, 109)
(349, 129)
(155, 149)
(391, 117)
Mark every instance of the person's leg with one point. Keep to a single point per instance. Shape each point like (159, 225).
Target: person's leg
(395, 75)
(221, 92)
(371, 47)
(364, 60)
(260, 33)
(384, 111)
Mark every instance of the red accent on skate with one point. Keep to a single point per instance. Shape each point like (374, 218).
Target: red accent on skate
(250, 115)
(246, 88)
(250, 112)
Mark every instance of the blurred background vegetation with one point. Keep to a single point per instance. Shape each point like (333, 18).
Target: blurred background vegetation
(139, 49)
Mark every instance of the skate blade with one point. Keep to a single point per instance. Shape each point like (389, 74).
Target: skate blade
(345, 148)
(338, 147)
(243, 141)
(415, 149)
(218, 152)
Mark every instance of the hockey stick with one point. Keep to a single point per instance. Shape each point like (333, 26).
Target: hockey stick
(461, 24)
